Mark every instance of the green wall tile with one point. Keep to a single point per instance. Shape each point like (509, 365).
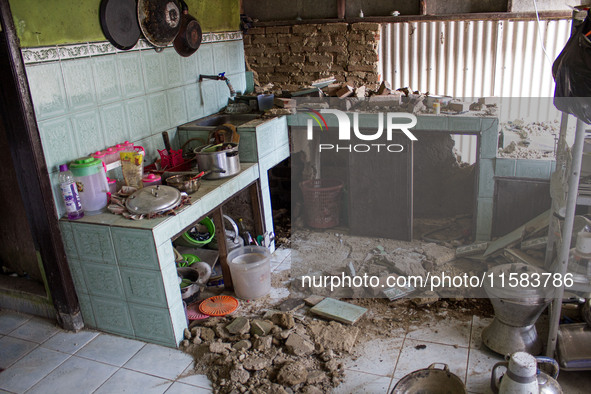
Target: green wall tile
(152, 324)
(505, 167)
(102, 280)
(112, 316)
(44, 78)
(143, 287)
(106, 75)
(135, 248)
(94, 243)
(86, 310)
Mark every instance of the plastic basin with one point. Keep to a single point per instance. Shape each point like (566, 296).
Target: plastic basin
(250, 267)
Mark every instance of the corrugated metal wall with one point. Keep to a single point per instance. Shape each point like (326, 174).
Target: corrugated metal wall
(477, 59)
(473, 58)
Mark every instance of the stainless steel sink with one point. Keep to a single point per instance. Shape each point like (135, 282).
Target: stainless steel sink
(219, 119)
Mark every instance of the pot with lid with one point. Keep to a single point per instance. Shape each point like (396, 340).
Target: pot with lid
(153, 200)
(221, 159)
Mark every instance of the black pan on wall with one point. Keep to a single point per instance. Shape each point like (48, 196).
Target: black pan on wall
(119, 22)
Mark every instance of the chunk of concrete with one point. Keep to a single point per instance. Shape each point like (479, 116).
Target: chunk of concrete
(263, 343)
(244, 344)
(292, 374)
(239, 375)
(298, 346)
(256, 363)
(261, 327)
(284, 320)
(207, 334)
(219, 347)
(238, 326)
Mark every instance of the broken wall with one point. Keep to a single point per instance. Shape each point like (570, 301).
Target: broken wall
(293, 56)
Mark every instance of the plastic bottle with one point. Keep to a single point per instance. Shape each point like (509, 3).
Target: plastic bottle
(70, 193)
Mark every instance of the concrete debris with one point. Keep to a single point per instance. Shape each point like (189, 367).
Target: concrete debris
(219, 347)
(438, 254)
(458, 106)
(475, 248)
(244, 344)
(334, 336)
(284, 320)
(256, 363)
(291, 305)
(428, 298)
(295, 355)
(207, 334)
(187, 333)
(196, 331)
(263, 343)
(313, 300)
(239, 375)
(239, 325)
(261, 327)
(196, 340)
(298, 346)
(292, 374)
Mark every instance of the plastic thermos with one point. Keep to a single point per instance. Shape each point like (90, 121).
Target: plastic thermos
(70, 193)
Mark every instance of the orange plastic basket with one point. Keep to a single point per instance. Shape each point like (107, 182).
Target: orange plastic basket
(218, 305)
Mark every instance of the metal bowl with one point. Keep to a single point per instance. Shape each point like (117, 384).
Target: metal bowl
(185, 183)
(430, 380)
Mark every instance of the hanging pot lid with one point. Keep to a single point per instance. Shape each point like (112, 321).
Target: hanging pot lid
(119, 22)
(153, 199)
(159, 20)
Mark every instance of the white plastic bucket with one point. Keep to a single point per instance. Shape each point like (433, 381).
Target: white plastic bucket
(250, 267)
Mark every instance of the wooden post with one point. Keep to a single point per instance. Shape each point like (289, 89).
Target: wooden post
(220, 234)
(18, 116)
(341, 7)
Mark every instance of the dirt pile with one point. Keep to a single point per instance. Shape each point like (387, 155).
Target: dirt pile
(274, 353)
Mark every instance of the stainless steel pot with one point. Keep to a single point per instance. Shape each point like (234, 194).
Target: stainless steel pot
(430, 380)
(222, 163)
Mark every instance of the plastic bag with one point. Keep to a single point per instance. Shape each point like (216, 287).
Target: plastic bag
(572, 73)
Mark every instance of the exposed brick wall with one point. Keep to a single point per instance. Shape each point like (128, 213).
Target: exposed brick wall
(294, 56)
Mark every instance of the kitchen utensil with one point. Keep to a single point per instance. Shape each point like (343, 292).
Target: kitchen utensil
(574, 347)
(166, 142)
(119, 22)
(430, 380)
(153, 199)
(185, 183)
(250, 268)
(190, 35)
(516, 311)
(152, 180)
(218, 305)
(223, 163)
(522, 376)
(91, 181)
(159, 20)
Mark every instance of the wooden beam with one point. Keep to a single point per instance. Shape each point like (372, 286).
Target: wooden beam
(488, 16)
(257, 209)
(341, 7)
(19, 120)
(423, 7)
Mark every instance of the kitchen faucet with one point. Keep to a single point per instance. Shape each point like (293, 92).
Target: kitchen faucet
(219, 77)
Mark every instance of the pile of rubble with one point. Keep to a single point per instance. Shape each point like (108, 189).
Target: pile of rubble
(278, 352)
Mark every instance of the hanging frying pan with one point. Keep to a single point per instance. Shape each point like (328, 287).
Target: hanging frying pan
(119, 22)
(160, 20)
(190, 35)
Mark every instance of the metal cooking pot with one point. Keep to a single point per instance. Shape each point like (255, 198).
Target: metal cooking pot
(222, 164)
(185, 183)
(430, 380)
(159, 20)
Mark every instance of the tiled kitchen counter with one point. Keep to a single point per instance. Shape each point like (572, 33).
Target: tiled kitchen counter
(124, 270)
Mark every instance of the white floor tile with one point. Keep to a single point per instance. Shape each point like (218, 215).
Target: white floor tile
(110, 349)
(478, 324)
(30, 369)
(160, 361)
(480, 365)
(446, 332)
(69, 342)
(378, 356)
(419, 355)
(181, 388)
(76, 375)
(36, 330)
(126, 381)
(360, 382)
(13, 349)
(189, 377)
(11, 320)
